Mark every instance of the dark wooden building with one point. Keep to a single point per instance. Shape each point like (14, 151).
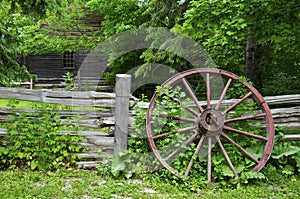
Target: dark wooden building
(51, 67)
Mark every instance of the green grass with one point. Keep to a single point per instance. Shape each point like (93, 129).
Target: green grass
(22, 104)
(89, 184)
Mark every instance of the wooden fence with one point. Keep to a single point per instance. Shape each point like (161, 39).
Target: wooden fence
(107, 134)
(114, 113)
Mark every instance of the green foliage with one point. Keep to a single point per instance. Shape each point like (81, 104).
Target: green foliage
(284, 83)
(35, 140)
(223, 28)
(55, 31)
(10, 70)
(69, 81)
(286, 155)
(37, 27)
(37, 8)
(119, 15)
(139, 158)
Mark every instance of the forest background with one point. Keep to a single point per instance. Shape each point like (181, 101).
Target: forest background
(258, 39)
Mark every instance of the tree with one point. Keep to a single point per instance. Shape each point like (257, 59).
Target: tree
(254, 38)
(258, 39)
(122, 15)
(13, 15)
(10, 70)
(59, 31)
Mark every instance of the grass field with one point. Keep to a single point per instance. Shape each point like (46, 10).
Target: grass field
(89, 184)
(22, 104)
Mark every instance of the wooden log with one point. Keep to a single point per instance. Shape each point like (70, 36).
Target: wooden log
(88, 164)
(85, 133)
(293, 137)
(95, 148)
(98, 103)
(101, 141)
(21, 94)
(92, 155)
(3, 132)
(123, 84)
(89, 114)
(79, 94)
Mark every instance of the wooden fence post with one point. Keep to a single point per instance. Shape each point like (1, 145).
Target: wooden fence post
(122, 90)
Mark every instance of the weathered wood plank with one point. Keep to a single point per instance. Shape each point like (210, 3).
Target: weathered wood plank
(81, 102)
(92, 155)
(88, 164)
(283, 100)
(3, 131)
(85, 133)
(79, 94)
(271, 100)
(101, 141)
(294, 137)
(89, 98)
(22, 94)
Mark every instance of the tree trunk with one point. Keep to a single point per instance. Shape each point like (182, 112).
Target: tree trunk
(250, 58)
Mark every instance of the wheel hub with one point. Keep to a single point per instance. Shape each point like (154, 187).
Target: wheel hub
(211, 122)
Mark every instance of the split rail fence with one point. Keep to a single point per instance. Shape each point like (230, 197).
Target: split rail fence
(114, 112)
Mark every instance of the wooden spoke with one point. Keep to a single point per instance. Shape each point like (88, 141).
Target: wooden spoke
(186, 143)
(194, 155)
(226, 156)
(191, 93)
(251, 157)
(209, 159)
(184, 106)
(208, 91)
(174, 132)
(245, 118)
(208, 120)
(223, 94)
(259, 137)
(237, 103)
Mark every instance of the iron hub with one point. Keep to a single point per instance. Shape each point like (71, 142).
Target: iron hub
(211, 122)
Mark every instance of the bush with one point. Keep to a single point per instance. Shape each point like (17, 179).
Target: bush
(34, 140)
(138, 158)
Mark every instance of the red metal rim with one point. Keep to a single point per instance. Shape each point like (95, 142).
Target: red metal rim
(269, 126)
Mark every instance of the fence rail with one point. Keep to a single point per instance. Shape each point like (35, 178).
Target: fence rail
(285, 110)
(70, 98)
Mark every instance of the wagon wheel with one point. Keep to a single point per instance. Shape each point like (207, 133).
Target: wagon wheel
(209, 122)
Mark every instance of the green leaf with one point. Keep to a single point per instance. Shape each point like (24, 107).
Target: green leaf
(288, 152)
(117, 165)
(288, 169)
(34, 164)
(226, 171)
(3, 151)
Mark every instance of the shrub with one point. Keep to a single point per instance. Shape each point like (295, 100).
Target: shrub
(34, 139)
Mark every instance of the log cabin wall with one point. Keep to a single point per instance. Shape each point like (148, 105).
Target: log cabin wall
(50, 67)
(54, 65)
